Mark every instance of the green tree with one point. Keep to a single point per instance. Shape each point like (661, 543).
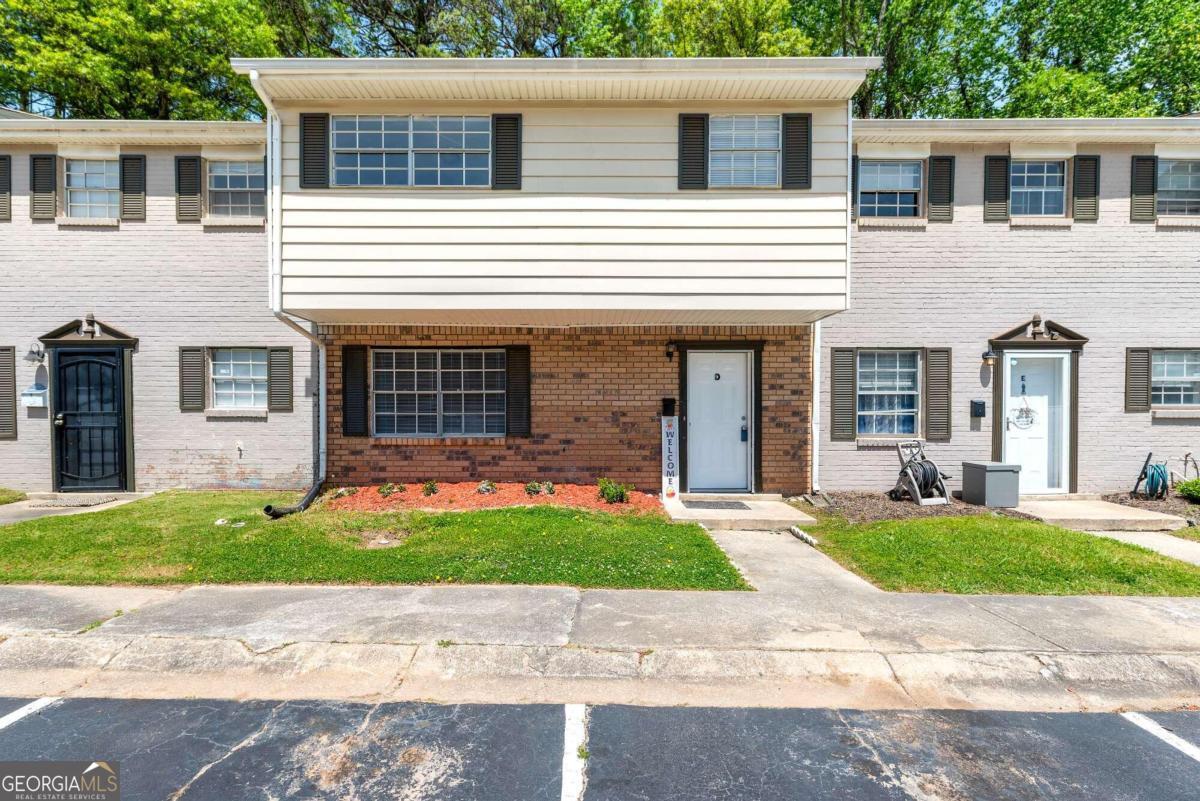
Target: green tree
(609, 28)
(689, 28)
(137, 59)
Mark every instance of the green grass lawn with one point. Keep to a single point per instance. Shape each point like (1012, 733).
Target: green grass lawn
(172, 538)
(10, 496)
(994, 554)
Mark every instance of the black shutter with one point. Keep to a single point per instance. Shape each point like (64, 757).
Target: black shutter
(193, 372)
(1143, 190)
(517, 400)
(797, 151)
(1137, 379)
(5, 187)
(133, 187)
(938, 393)
(941, 189)
(279, 379)
(995, 188)
(854, 187)
(354, 391)
(693, 151)
(43, 181)
(188, 204)
(843, 395)
(506, 151)
(8, 393)
(1085, 189)
(314, 151)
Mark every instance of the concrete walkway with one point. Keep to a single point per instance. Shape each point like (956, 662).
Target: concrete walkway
(813, 635)
(1093, 515)
(47, 505)
(1185, 550)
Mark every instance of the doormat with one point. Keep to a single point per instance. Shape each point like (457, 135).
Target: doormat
(72, 503)
(715, 505)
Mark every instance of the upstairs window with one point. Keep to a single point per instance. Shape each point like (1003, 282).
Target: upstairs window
(743, 150)
(889, 189)
(93, 188)
(1038, 188)
(236, 189)
(433, 393)
(1175, 378)
(889, 392)
(1178, 187)
(411, 150)
(239, 378)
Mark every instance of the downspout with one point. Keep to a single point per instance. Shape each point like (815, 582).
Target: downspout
(275, 280)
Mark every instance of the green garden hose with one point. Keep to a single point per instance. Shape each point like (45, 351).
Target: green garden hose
(1157, 480)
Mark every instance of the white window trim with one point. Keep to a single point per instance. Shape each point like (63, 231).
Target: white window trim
(1170, 407)
(1031, 219)
(778, 150)
(371, 392)
(922, 201)
(919, 425)
(211, 408)
(411, 151)
(207, 191)
(67, 218)
(1192, 219)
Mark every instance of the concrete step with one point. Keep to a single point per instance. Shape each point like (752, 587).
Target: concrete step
(731, 496)
(762, 515)
(1088, 515)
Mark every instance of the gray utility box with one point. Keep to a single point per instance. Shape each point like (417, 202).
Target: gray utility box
(991, 484)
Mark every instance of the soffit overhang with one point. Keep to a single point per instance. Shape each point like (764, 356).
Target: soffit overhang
(44, 131)
(662, 80)
(1138, 130)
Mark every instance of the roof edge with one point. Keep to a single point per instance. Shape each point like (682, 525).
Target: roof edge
(534, 66)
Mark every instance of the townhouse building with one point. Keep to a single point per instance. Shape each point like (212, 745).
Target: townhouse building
(514, 269)
(137, 347)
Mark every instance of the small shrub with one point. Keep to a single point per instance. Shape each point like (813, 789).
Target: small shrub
(389, 489)
(612, 492)
(486, 487)
(533, 488)
(430, 487)
(345, 492)
(548, 487)
(1189, 489)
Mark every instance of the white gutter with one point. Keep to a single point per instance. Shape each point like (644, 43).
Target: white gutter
(275, 270)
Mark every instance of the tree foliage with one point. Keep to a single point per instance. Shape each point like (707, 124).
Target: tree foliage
(941, 58)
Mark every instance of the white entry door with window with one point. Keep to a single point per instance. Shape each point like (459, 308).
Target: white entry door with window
(720, 432)
(1036, 426)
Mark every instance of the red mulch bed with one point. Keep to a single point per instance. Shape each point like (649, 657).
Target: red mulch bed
(465, 496)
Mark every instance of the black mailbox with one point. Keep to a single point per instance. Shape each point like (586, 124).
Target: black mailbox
(668, 407)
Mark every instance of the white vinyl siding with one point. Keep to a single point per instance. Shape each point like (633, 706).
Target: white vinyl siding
(413, 150)
(1175, 378)
(743, 150)
(431, 393)
(93, 188)
(236, 189)
(889, 392)
(889, 189)
(1178, 187)
(239, 378)
(599, 234)
(1038, 188)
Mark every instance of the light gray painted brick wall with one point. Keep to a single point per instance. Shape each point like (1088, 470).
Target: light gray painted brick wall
(169, 284)
(1119, 284)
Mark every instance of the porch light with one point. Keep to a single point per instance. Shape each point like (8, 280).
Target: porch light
(671, 348)
(36, 354)
(989, 357)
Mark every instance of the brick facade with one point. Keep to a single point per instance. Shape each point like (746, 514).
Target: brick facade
(596, 400)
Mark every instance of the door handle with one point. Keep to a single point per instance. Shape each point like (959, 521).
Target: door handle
(58, 419)
(745, 434)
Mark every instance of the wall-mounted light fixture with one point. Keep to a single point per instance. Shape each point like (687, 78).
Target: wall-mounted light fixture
(989, 357)
(36, 354)
(671, 348)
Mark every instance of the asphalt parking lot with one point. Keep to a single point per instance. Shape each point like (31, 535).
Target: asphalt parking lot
(223, 750)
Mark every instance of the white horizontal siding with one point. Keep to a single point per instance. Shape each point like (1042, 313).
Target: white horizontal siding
(599, 222)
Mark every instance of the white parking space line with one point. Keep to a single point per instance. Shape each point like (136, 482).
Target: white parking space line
(574, 762)
(1171, 739)
(26, 711)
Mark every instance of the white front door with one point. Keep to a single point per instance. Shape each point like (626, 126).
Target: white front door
(1036, 419)
(719, 422)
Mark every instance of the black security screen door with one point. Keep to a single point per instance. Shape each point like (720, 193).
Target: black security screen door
(89, 421)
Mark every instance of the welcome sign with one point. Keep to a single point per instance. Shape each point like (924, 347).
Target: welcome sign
(670, 457)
